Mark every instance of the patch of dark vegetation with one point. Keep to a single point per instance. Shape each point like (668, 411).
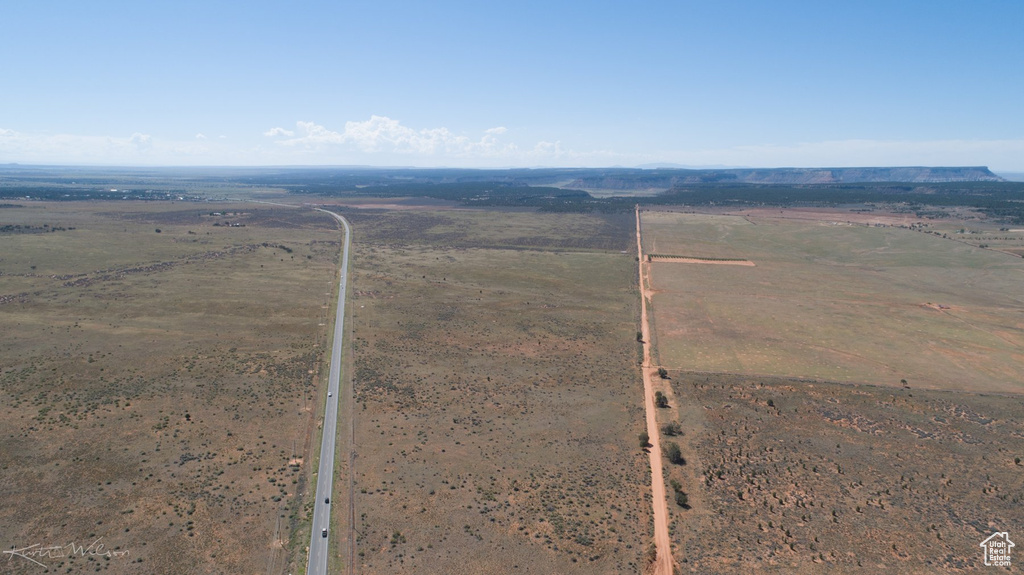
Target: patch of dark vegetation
(936, 187)
(996, 199)
(30, 229)
(78, 193)
(920, 190)
(1001, 200)
(332, 180)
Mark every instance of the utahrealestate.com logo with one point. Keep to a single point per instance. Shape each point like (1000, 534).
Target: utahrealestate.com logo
(997, 549)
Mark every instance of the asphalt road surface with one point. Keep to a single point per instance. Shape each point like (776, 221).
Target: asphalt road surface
(318, 544)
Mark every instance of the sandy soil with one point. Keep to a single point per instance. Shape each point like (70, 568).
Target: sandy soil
(663, 562)
(700, 261)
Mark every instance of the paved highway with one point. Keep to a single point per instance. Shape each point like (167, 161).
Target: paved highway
(318, 544)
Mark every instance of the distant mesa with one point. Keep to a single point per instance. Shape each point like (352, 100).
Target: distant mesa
(670, 178)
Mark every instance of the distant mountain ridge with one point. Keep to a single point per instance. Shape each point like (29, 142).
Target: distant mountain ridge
(671, 178)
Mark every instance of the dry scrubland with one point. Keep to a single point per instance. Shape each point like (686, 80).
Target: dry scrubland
(809, 477)
(497, 396)
(839, 302)
(155, 386)
(804, 475)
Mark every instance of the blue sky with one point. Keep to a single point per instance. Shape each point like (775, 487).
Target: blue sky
(525, 83)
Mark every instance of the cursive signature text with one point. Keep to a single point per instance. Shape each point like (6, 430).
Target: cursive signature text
(36, 552)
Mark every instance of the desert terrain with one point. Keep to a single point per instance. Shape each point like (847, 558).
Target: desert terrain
(825, 418)
(159, 383)
(497, 394)
(841, 387)
(835, 301)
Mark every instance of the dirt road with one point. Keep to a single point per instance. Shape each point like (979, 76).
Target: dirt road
(663, 562)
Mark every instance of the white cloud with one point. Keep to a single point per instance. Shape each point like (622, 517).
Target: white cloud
(314, 134)
(278, 132)
(384, 141)
(381, 134)
(135, 149)
(551, 149)
(381, 140)
(141, 142)
(24, 147)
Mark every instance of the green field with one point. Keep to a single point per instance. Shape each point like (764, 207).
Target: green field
(847, 303)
